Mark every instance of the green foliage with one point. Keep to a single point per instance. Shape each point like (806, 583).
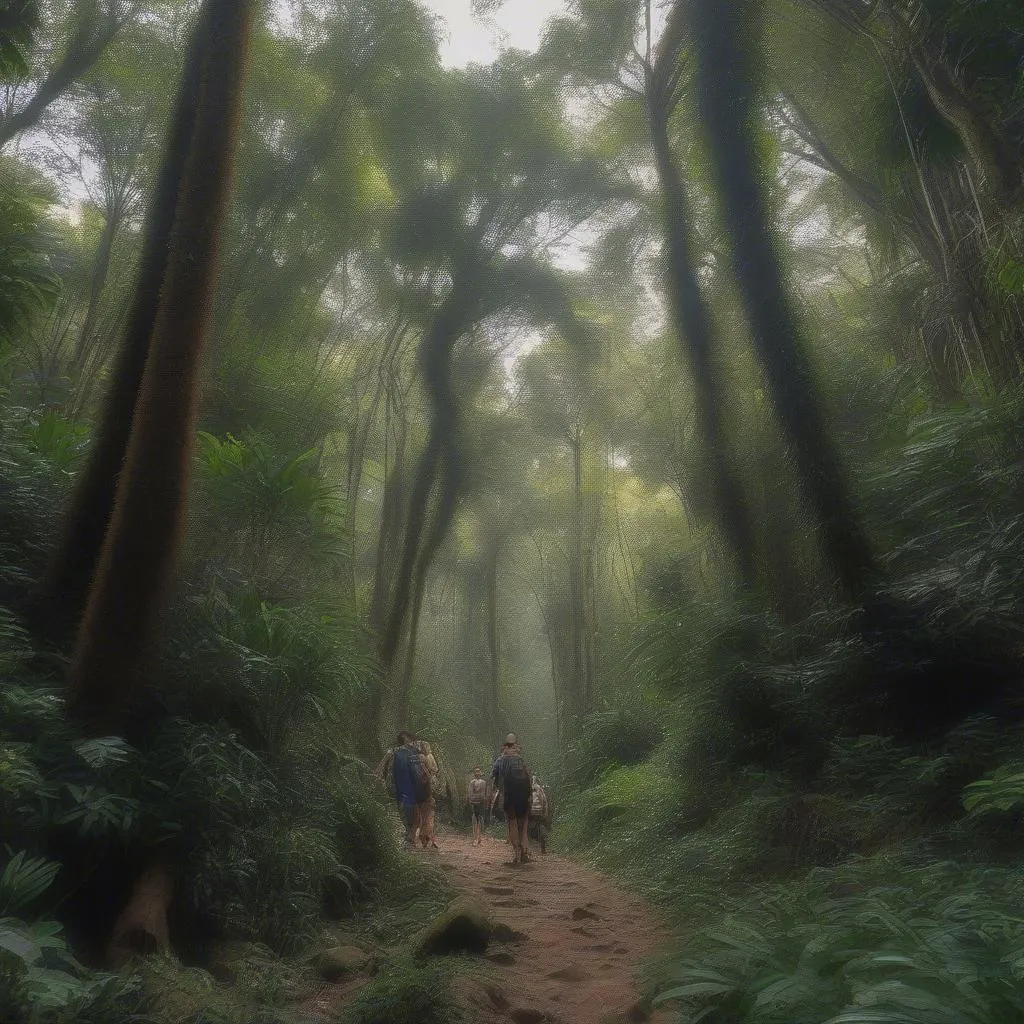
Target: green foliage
(27, 282)
(405, 992)
(1001, 791)
(38, 451)
(267, 839)
(18, 24)
(896, 942)
(40, 979)
(265, 513)
(620, 734)
(281, 669)
(189, 995)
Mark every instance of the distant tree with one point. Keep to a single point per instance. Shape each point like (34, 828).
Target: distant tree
(616, 45)
(77, 39)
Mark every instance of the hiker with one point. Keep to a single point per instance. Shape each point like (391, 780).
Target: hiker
(512, 779)
(540, 815)
(428, 808)
(509, 738)
(411, 784)
(476, 794)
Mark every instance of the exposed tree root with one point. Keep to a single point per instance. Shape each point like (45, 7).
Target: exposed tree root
(141, 928)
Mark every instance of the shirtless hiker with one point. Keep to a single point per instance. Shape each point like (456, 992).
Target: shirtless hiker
(476, 794)
(512, 778)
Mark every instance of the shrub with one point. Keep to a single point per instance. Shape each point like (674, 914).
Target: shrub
(405, 993)
(893, 942)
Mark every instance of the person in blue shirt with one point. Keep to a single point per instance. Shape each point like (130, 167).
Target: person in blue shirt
(407, 778)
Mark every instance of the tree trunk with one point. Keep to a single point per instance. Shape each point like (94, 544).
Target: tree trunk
(493, 639)
(357, 453)
(725, 89)
(388, 535)
(439, 455)
(443, 517)
(141, 928)
(142, 540)
(59, 599)
(692, 324)
(577, 613)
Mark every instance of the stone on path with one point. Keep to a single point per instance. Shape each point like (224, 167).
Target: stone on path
(463, 927)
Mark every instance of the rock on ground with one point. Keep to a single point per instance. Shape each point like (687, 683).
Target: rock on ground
(464, 927)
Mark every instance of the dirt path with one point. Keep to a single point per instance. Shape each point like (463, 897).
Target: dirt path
(583, 939)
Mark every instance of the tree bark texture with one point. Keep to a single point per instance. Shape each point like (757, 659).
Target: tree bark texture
(140, 545)
(60, 597)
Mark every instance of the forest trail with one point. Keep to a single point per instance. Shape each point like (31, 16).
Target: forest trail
(583, 939)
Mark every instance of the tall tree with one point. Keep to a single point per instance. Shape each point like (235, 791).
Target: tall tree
(146, 521)
(728, 103)
(478, 236)
(60, 596)
(653, 79)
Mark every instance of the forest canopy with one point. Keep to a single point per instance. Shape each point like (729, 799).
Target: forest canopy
(654, 393)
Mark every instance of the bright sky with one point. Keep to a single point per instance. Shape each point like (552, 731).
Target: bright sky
(517, 24)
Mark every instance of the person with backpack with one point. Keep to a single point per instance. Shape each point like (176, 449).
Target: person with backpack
(540, 818)
(411, 782)
(428, 809)
(512, 779)
(476, 795)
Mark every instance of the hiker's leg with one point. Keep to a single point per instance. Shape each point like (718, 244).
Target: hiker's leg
(513, 830)
(408, 813)
(524, 836)
(432, 822)
(424, 821)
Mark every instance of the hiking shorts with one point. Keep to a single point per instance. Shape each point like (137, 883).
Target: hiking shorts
(478, 811)
(517, 800)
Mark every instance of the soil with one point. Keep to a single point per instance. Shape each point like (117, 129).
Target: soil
(577, 939)
(567, 945)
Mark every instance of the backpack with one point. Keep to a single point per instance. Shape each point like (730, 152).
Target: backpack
(536, 800)
(417, 767)
(517, 776)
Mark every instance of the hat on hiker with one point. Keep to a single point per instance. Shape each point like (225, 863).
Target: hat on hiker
(510, 739)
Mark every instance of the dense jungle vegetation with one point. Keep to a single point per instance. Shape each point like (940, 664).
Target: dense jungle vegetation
(656, 393)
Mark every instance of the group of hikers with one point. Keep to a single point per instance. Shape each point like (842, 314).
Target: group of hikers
(416, 784)
(525, 801)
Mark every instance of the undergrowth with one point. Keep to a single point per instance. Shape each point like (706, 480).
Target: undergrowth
(237, 771)
(405, 992)
(831, 807)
